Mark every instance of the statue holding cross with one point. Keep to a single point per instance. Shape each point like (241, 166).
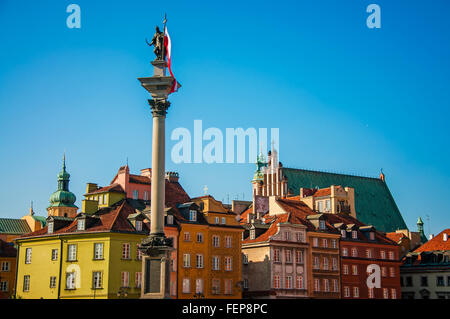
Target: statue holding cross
(158, 42)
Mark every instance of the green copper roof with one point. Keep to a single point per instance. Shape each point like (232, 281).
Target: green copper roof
(63, 197)
(14, 226)
(41, 219)
(373, 201)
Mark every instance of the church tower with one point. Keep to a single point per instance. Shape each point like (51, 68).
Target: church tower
(62, 202)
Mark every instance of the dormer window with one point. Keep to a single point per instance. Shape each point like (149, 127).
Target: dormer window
(354, 234)
(327, 205)
(170, 219)
(372, 235)
(139, 225)
(320, 206)
(193, 215)
(321, 224)
(81, 224)
(252, 234)
(343, 233)
(224, 220)
(50, 227)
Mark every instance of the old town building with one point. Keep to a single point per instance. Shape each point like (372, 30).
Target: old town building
(425, 272)
(7, 269)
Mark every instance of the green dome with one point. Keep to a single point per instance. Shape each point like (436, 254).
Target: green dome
(63, 197)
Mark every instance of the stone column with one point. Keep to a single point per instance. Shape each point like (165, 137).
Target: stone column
(157, 247)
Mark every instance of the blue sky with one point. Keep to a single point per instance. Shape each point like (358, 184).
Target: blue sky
(346, 98)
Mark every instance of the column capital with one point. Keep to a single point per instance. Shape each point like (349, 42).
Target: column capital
(159, 107)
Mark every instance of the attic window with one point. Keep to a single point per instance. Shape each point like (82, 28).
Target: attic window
(321, 224)
(139, 225)
(252, 234)
(354, 234)
(193, 215)
(50, 227)
(343, 233)
(169, 219)
(81, 224)
(372, 235)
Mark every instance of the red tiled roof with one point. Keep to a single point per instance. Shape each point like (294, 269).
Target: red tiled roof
(322, 192)
(139, 179)
(244, 215)
(437, 243)
(394, 236)
(110, 219)
(175, 194)
(111, 188)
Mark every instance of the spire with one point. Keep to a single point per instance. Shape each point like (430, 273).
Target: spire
(423, 238)
(63, 197)
(382, 176)
(31, 209)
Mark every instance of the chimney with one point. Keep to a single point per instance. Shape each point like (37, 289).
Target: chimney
(445, 237)
(172, 177)
(431, 236)
(91, 187)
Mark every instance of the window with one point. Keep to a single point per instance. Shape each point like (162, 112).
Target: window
(96, 279)
(316, 285)
(100, 200)
(126, 251)
(316, 242)
(287, 236)
(54, 254)
(288, 282)
(299, 257)
(4, 286)
(186, 260)
(345, 269)
(28, 256)
(199, 237)
(50, 227)
(5, 266)
(325, 243)
(385, 293)
(138, 279)
(139, 252)
(369, 253)
(199, 286)
(439, 281)
(199, 261)
(216, 241)
(325, 263)
(354, 252)
(316, 263)
(288, 256)
(383, 272)
(215, 263)
(355, 292)
(299, 282)
(228, 287)
(276, 255)
(320, 206)
(81, 223)
(104, 199)
(252, 234)
(216, 220)
(215, 286)
(187, 236)
(383, 254)
(26, 283)
(335, 264)
(145, 195)
(139, 225)
(245, 259)
(355, 269)
(333, 243)
(354, 234)
(98, 251)
(343, 233)
(345, 252)
(186, 285)
(300, 236)
(245, 284)
(228, 264)
(135, 194)
(326, 285)
(321, 224)
(276, 281)
(393, 293)
(228, 241)
(327, 205)
(392, 271)
(401, 282)
(170, 219)
(224, 220)
(371, 293)
(125, 279)
(409, 282)
(391, 255)
(372, 235)
(72, 252)
(335, 285)
(70, 280)
(193, 215)
(347, 292)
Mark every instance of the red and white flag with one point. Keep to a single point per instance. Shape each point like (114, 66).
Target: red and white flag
(168, 48)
